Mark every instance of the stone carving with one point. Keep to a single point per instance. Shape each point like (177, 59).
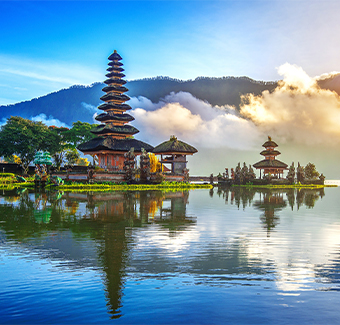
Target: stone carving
(129, 165)
(291, 173)
(300, 173)
(144, 166)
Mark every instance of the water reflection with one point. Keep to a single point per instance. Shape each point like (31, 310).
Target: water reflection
(125, 235)
(270, 201)
(104, 217)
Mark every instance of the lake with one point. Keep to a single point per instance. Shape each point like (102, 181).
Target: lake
(217, 256)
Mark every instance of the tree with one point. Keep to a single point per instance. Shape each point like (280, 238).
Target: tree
(311, 172)
(61, 145)
(82, 162)
(79, 133)
(13, 159)
(72, 156)
(24, 138)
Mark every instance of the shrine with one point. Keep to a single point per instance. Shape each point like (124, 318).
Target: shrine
(270, 165)
(175, 152)
(114, 136)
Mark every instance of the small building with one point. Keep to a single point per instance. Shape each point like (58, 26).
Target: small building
(270, 164)
(175, 152)
(114, 136)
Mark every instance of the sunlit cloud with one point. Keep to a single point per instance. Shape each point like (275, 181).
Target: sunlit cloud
(193, 121)
(297, 111)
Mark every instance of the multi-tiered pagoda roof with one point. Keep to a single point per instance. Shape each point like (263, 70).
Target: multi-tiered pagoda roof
(114, 134)
(270, 164)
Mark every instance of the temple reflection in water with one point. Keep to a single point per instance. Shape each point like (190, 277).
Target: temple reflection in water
(104, 216)
(49, 223)
(270, 201)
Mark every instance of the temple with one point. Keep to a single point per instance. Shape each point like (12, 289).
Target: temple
(175, 152)
(114, 136)
(270, 164)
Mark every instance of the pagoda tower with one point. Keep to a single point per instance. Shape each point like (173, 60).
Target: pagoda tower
(114, 136)
(270, 164)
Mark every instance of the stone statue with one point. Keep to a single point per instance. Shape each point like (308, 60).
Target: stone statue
(226, 173)
(300, 173)
(144, 166)
(291, 173)
(211, 178)
(129, 165)
(251, 173)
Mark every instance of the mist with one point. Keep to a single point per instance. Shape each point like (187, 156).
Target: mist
(193, 121)
(298, 111)
(300, 116)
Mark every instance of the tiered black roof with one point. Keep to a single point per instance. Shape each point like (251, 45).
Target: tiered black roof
(270, 153)
(115, 69)
(119, 89)
(108, 106)
(114, 124)
(116, 117)
(114, 96)
(112, 128)
(115, 81)
(108, 143)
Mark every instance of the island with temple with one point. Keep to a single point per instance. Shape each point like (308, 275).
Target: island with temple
(115, 147)
(271, 171)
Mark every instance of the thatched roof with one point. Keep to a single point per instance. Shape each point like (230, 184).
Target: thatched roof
(115, 64)
(270, 152)
(115, 74)
(107, 106)
(115, 69)
(109, 143)
(111, 128)
(115, 56)
(268, 163)
(111, 96)
(119, 89)
(114, 117)
(174, 146)
(115, 81)
(269, 143)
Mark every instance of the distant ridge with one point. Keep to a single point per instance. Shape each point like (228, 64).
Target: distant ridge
(78, 103)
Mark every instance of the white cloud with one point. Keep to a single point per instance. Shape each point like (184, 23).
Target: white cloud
(193, 121)
(297, 111)
(91, 109)
(49, 121)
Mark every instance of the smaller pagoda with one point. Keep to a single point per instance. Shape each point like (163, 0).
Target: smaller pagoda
(270, 164)
(175, 152)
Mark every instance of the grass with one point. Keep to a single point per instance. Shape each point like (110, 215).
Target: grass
(133, 187)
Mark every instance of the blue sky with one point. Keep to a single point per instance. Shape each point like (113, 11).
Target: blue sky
(49, 45)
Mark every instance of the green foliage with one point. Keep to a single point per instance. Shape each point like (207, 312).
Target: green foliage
(24, 138)
(311, 172)
(72, 156)
(79, 133)
(7, 175)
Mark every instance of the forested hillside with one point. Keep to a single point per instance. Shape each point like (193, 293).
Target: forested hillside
(79, 102)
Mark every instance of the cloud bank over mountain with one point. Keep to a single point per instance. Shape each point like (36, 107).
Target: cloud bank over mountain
(194, 121)
(297, 111)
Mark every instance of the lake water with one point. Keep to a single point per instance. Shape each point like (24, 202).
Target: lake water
(201, 257)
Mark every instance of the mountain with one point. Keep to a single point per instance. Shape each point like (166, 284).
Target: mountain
(78, 103)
